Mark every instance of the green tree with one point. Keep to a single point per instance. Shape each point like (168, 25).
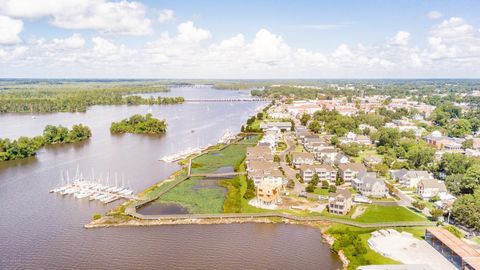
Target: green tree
(305, 118)
(388, 137)
(467, 144)
(466, 210)
(313, 183)
(471, 179)
(315, 126)
(460, 128)
(436, 213)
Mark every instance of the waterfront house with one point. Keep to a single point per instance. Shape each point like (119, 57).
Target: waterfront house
(409, 178)
(299, 158)
(265, 172)
(268, 194)
(428, 188)
(325, 172)
(349, 171)
(340, 202)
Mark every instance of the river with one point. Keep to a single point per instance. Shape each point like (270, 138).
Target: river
(40, 230)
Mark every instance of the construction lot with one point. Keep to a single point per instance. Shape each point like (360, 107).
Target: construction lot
(405, 248)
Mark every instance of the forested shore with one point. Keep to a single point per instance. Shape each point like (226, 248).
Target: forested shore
(78, 97)
(24, 147)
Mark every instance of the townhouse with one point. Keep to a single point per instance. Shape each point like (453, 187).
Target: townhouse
(325, 172)
(350, 171)
(340, 202)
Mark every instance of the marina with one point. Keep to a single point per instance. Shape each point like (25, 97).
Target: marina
(226, 138)
(93, 189)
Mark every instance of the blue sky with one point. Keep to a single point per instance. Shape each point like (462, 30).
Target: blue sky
(239, 39)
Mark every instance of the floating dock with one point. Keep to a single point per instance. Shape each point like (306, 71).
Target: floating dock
(81, 188)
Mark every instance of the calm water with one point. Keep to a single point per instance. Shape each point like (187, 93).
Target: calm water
(39, 230)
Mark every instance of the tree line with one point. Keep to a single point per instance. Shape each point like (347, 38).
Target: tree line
(139, 124)
(69, 99)
(25, 147)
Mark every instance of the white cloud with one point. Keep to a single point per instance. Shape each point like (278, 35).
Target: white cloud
(433, 15)
(189, 33)
(269, 48)
(165, 15)
(453, 50)
(455, 45)
(9, 30)
(119, 17)
(401, 38)
(75, 41)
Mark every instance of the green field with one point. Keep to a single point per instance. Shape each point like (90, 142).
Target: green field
(381, 213)
(199, 200)
(230, 156)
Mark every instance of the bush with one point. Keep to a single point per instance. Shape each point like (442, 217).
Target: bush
(420, 205)
(325, 184)
(97, 216)
(250, 192)
(332, 189)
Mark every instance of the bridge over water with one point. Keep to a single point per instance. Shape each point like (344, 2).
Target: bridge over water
(227, 100)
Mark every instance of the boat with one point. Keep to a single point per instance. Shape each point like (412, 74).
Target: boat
(227, 136)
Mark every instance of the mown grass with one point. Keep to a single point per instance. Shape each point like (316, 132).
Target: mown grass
(321, 191)
(380, 213)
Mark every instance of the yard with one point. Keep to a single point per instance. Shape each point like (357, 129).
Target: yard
(380, 213)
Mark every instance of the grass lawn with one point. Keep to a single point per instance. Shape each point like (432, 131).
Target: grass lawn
(299, 148)
(321, 191)
(382, 213)
(197, 200)
(367, 152)
(282, 146)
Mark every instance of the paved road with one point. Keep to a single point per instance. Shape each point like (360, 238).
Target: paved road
(289, 172)
(406, 200)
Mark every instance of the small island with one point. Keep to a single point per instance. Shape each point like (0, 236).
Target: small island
(139, 124)
(25, 147)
